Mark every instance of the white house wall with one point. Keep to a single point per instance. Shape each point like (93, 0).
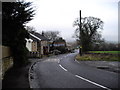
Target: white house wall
(29, 44)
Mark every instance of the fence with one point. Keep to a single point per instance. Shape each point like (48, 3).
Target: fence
(34, 54)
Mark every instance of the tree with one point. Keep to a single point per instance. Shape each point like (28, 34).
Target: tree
(52, 35)
(30, 29)
(88, 35)
(14, 17)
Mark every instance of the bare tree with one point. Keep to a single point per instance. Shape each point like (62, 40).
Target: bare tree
(52, 35)
(89, 31)
(30, 29)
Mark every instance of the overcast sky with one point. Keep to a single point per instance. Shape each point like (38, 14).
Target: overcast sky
(60, 14)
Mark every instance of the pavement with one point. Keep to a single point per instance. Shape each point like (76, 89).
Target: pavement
(18, 78)
(0, 74)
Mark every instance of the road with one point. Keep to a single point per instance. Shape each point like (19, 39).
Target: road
(62, 71)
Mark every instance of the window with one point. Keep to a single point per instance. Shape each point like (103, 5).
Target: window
(28, 41)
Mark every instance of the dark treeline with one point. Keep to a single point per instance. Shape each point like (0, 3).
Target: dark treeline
(105, 46)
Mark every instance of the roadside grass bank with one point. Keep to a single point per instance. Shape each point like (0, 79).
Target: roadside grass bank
(98, 57)
(106, 52)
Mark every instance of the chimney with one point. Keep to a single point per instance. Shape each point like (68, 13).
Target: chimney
(42, 33)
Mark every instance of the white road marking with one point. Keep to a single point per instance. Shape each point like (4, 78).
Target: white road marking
(58, 61)
(62, 67)
(76, 61)
(92, 82)
(52, 60)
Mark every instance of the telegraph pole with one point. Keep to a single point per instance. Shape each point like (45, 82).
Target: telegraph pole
(80, 47)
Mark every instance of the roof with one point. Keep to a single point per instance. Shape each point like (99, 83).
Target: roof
(35, 36)
(41, 37)
(60, 40)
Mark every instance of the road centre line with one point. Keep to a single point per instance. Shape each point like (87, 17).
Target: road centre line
(76, 61)
(58, 61)
(62, 67)
(92, 82)
(84, 78)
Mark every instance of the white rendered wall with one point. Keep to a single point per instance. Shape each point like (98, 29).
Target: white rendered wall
(29, 44)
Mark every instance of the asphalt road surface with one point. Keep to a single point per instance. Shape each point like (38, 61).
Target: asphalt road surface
(62, 71)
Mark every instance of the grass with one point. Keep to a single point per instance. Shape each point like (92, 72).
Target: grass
(109, 52)
(97, 57)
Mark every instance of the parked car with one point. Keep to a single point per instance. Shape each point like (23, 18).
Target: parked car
(56, 52)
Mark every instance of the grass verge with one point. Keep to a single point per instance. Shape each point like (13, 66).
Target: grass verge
(98, 57)
(108, 52)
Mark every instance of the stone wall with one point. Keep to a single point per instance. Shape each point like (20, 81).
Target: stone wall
(6, 59)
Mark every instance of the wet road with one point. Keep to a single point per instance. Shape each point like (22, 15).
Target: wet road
(62, 71)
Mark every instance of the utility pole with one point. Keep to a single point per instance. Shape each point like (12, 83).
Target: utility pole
(80, 47)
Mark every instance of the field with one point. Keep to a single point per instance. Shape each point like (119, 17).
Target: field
(100, 56)
(109, 52)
